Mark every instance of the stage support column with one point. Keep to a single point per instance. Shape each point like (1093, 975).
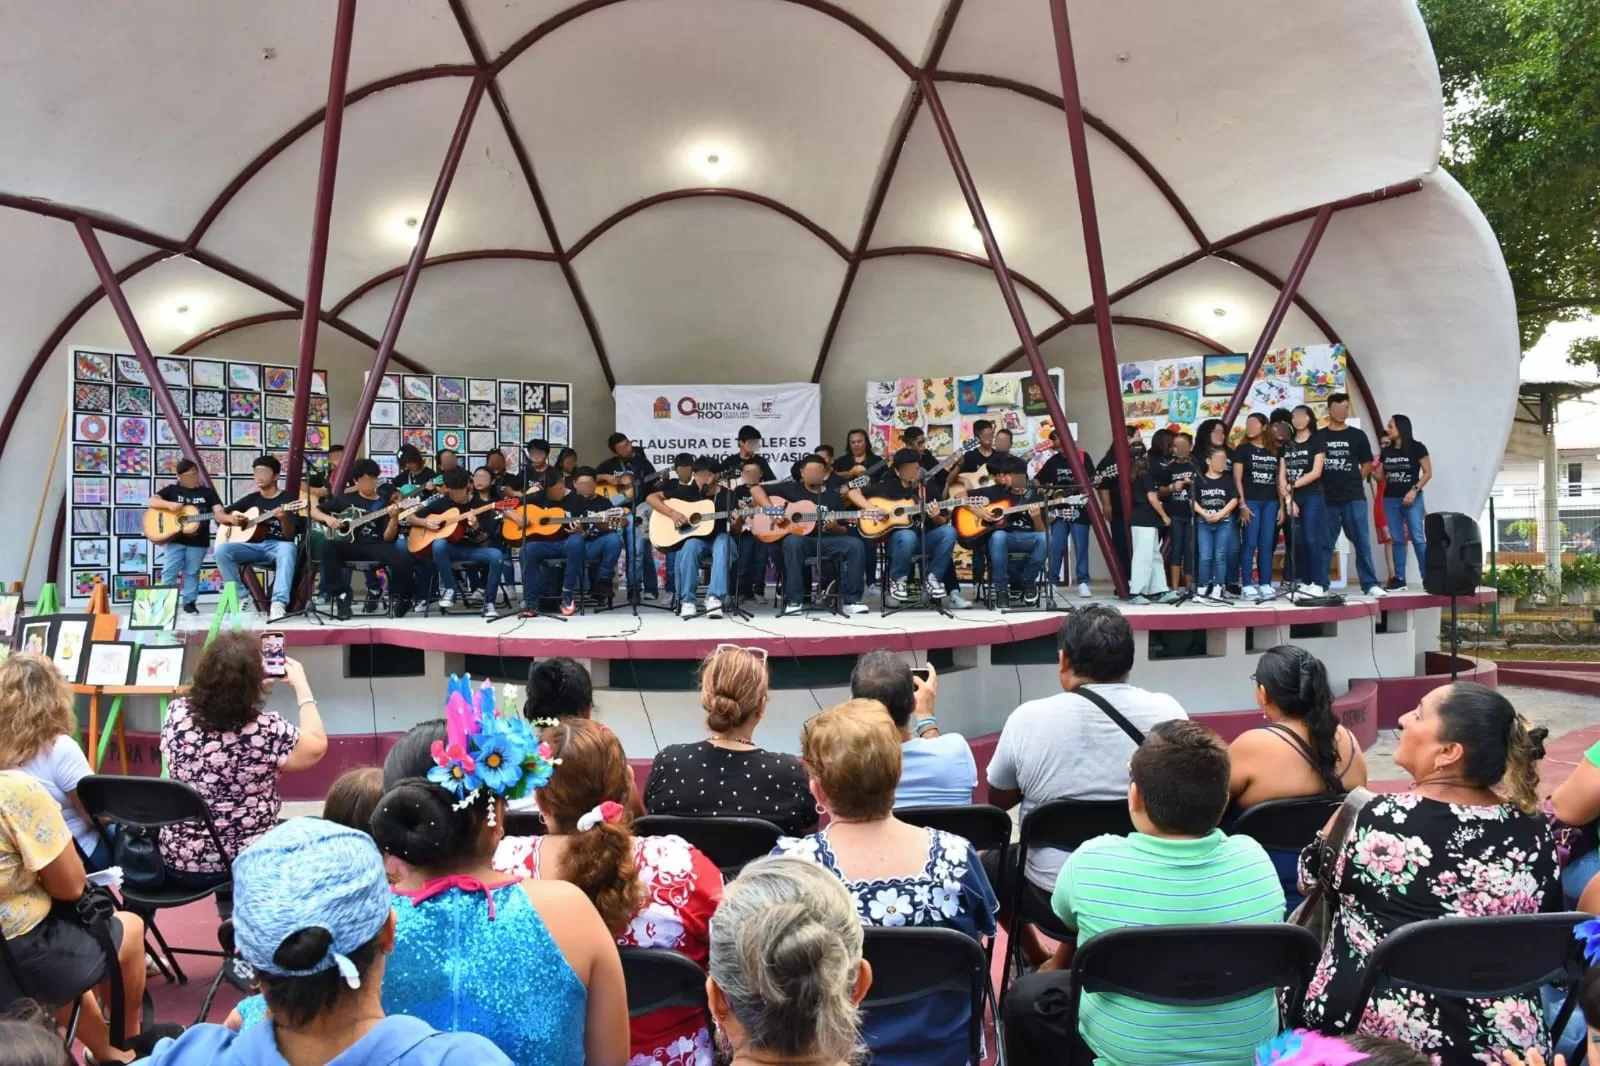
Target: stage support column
(408, 281)
(1286, 295)
(311, 314)
(1019, 318)
(1078, 140)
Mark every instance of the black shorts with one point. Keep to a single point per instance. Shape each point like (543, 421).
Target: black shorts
(1003, 865)
(61, 960)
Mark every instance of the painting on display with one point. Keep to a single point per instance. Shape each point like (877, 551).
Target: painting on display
(470, 416)
(945, 408)
(1188, 390)
(234, 411)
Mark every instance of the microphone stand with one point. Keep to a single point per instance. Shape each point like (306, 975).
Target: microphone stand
(924, 600)
(631, 531)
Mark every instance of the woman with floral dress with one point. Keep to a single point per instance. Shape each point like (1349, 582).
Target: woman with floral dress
(898, 874)
(1451, 847)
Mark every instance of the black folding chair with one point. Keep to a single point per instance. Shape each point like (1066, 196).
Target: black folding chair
(659, 979)
(730, 842)
(1195, 966)
(524, 824)
(1066, 824)
(1286, 824)
(14, 986)
(984, 825)
(1478, 958)
(909, 964)
(151, 803)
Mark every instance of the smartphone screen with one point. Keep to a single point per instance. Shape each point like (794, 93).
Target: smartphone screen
(920, 671)
(272, 654)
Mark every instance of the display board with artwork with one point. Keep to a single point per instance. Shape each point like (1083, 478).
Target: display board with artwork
(946, 407)
(123, 451)
(470, 416)
(1187, 391)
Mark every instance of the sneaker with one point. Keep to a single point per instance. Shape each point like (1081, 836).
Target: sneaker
(898, 589)
(472, 598)
(402, 608)
(1030, 596)
(1313, 589)
(420, 604)
(788, 609)
(1231, 589)
(1395, 585)
(1139, 601)
(489, 612)
(341, 607)
(713, 607)
(1167, 597)
(687, 611)
(956, 601)
(855, 608)
(190, 608)
(569, 607)
(1084, 590)
(651, 595)
(1376, 592)
(1250, 592)
(447, 599)
(371, 605)
(276, 612)
(936, 588)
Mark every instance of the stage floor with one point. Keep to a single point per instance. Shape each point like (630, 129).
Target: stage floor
(659, 634)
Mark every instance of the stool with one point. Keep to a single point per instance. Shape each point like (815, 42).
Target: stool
(370, 569)
(993, 590)
(458, 570)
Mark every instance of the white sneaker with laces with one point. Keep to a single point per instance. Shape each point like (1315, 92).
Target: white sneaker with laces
(855, 608)
(956, 601)
(1376, 592)
(687, 610)
(490, 612)
(276, 612)
(793, 608)
(1084, 590)
(1249, 592)
(936, 588)
(713, 607)
(898, 590)
(447, 599)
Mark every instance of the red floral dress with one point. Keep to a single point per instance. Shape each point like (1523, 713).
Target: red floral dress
(682, 890)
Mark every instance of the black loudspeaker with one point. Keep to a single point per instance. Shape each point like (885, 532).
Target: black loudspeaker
(1455, 554)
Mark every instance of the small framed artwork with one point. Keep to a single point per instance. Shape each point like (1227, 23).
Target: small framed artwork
(134, 400)
(205, 374)
(241, 461)
(133, 555)
(154, 607)
(132, 491)
(129, 369)
(93, 520)
(91, 429)
(33, 635)
(175, 372)
(167, 460)
(124, 585)
(319, 383)
(389, 387)
(450, 390)
(69, 651)
(91, 459)
(129, 522)
(245, 376)
(91, 397)
(159, 666)
(557, 399)
(91, 551)
(83, 582)
(511, 396)
(10, 610)
(110, 662)
(277, 378)
(164, 434)
(91, 490)
(278, 408)
(244, 405)
(450, 414)
(417, 388)
(385, 413)
(209, 403)
(533, 396)
(480, 390)
(91, 366)
(244, 434)
(556, 429)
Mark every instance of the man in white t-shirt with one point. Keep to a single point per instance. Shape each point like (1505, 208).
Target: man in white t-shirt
(935, 768)
(1066, 747)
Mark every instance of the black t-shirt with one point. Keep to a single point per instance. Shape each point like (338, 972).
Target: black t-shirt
(1056, 476)
(1016, 521)
(638, 466)
(1347, 450)
(1178, 476)
(892, 488)
(420, 480)
(973, 460)
(1402, 468)
(1260, 471)
(505, 484)
(1213, 493)
(1144, 513)
(577, 505)
(1298, 459)
(831, 498)
(703, 780)
(200, 497)
(272, 528)
(372, 532)
(1109, 477)
(733, 466)
(872, 464)
(688, 492)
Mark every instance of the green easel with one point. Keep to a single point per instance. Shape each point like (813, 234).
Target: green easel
(49, 600)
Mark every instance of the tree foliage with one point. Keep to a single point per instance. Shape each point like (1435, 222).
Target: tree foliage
(1522, 103)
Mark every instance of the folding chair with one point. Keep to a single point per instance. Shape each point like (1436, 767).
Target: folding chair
(730, 842)
(524, 824)
(660, 979)
(911, 963)
(982, 825)
(152, 803)
(1286, 824)
(380, 593)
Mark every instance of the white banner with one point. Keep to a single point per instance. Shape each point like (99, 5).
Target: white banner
(663, 420)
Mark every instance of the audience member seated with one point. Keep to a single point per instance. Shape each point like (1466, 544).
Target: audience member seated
(314, 917)
(898, 874)
(1070, 746)
(528, 964)
(59, 959)
(1301, 1047)
(786, 967)
(652, 892)
(1576, 801)
(28, 1037)
(1451, 846)
(935, 768)
(1177, 793)
(727, 773)
(37, 736)
(558, 688)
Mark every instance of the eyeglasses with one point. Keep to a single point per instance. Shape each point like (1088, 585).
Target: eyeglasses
(720, 648)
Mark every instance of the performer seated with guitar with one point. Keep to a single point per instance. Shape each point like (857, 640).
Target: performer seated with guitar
(600, 531)
(838, 543)
(477, 544)
(754, 554)
(905, 485)
(733, 466)
(362, 527)
(184, 553)
(544, 527)
(915, 439)
(275, 541)
(976, 463)
(414, 473)
(626, 476)
(1020, 529)
(701, 487)
(1069, 521)
(859, 460)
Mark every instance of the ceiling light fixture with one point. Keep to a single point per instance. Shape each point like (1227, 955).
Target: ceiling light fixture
(1220, 312)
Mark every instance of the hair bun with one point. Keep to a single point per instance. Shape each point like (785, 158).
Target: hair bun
(723, 712)
(1536, 739)
(303, 950)
(415, 822)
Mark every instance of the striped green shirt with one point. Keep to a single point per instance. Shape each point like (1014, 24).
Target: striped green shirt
(1139, 880)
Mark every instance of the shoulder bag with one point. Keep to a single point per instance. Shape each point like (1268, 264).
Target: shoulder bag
(93, 912)
(1110, 712)
(1316, 912)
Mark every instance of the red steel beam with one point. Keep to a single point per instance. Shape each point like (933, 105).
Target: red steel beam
(373, 282)
(1280, 307)
(1093, 253)
(408, 282)
(1019, 318)
(756, 198)
(975, 260)
(321, 216)
(228, 327)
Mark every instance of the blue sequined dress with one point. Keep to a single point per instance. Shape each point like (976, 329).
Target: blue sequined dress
(479, 960)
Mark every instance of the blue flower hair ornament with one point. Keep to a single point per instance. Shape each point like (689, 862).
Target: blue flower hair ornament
(484, 751)
(1300, 1047)
(1588, 934)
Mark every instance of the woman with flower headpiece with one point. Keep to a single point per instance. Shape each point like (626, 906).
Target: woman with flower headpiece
(1299, 1047)
(528, 964)
(652, 892)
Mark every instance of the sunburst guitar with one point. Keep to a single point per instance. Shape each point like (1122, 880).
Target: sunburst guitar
(973, 522)
(526, 520)
(885, 516)
(161, 526)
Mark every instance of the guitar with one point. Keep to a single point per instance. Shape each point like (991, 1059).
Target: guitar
(622, 485)
(353, 518)
(981, 477)
(254, 525)
(973, 521)
(801, 517)
(527, 520)
(666, 534)
(161, 526)
(897, 514)
(420, 540)
(861, 473)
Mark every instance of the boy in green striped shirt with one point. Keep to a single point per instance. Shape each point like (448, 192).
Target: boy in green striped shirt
(1178, 869)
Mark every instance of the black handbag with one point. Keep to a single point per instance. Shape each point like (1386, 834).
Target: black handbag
(138, 851)
(93, 911)
(1316, 911)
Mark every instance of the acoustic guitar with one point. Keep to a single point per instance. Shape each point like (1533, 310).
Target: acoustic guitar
(897, 514)
(800, 519)
(526, 520)
(666, 534)
(863, 473)
(161, 526)
(421, 539)
(981, 477)
(353, 518)
(977, 519)
(255, 520)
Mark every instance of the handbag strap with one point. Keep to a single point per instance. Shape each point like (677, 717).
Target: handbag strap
(1110, 712)
(1330, 780)
(1344, 824)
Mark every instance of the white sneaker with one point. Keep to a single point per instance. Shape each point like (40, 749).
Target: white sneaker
(1249, 593)
(447, 599)
(936, 588)
(713, 607)
(276, 612)
(1139, 601)
(793, 608)
(687, 610)
(1084, 590)
(489, 611)
(956, 601)
(1376, 592)
(855, 608)
(898, 590)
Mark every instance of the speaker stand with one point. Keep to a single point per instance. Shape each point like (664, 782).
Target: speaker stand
(1455, 640)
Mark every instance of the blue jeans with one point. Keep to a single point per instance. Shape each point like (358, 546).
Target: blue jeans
(642, 561)
(687, 574)
(568, 549)
(1351, 516)
(1311, 553)
(1060, 531)
(1260, 537)
(280, 553)
(184, 559)
(754, 555)
(941, 541)
(1216, 542)
(604, 551)
(446, 555)
(1577, 874)
(1406, 523)
(1002, 542)
(845, 552)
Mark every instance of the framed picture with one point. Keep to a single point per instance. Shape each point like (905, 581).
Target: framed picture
(33, 635)
(110, 662)
(10, 608)
(70, 651)
(154, 607)
(1223, 373)
(159, 666)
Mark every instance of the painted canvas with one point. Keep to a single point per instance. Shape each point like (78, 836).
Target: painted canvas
(110, 662)
(1223, 374)
(159, 666)
(155, 607)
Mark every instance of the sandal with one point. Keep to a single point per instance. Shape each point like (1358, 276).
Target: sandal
(527, 612)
